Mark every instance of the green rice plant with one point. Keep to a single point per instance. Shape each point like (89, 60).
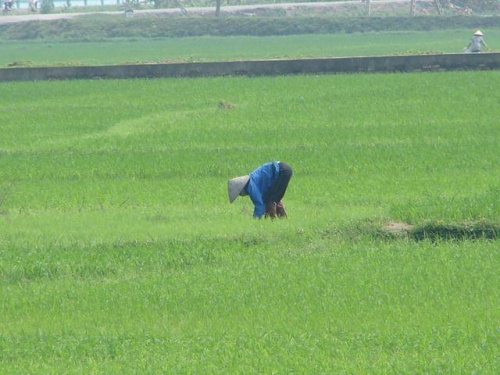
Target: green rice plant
(218, 48)
(234, 306)
(119, 251)
(130, 144)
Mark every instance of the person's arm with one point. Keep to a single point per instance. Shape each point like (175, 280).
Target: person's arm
(259, 205)
(257, 198)
(259, 210)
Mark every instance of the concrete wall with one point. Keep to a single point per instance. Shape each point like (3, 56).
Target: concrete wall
(482, 61)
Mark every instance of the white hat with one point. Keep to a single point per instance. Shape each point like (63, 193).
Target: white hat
(235, 186)
(479, 33)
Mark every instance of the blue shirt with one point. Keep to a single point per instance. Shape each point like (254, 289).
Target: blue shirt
(260, 181)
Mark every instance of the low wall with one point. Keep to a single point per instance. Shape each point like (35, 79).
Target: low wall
(482, 61)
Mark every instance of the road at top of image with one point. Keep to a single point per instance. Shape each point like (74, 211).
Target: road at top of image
(194, 10)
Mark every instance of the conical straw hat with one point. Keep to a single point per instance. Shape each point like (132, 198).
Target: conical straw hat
(235, 186)
(479, 33)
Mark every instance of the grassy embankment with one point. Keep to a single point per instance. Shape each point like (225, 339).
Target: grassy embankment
(121, 254)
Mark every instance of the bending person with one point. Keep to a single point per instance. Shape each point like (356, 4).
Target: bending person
(265, 186)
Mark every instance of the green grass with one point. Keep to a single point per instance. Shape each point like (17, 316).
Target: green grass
(231, 307)
(119, 251)
(214, 48)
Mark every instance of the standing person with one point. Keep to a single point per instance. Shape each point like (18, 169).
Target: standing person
(7, 5)
(266, 186)
(32, 5)
(476, 43)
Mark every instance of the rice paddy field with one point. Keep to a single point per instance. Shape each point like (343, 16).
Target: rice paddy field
(213, 48)
(120, 253)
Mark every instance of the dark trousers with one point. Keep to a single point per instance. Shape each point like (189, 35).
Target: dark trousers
(278, 188)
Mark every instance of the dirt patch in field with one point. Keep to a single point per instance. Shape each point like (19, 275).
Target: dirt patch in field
(225, 105)
(397, 227)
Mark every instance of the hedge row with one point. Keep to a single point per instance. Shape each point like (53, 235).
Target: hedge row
(85, 28)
